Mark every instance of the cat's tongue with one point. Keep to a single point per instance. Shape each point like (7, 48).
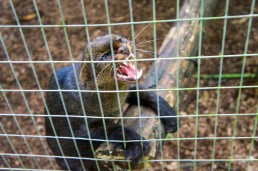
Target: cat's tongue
(128, 72)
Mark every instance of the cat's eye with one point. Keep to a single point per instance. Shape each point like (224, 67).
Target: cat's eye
(103, 57)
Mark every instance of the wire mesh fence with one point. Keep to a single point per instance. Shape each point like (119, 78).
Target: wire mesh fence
(217, 111)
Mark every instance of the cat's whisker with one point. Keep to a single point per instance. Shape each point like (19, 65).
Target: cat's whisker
(147, 52)
(141, 45)
(102, 71)
(149, 41)
(132, 31)
(141, 32)
(98, 76)
(110, 70)
(142, 50)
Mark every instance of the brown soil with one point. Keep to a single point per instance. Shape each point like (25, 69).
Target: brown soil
(32, 102)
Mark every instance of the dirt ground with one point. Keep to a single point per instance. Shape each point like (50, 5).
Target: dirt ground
(34, 77)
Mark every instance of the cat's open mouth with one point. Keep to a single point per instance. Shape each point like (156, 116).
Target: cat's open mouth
(127, 71)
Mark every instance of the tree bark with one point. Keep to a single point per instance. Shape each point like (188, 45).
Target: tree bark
(181, 41)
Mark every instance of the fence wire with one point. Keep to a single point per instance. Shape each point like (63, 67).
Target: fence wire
(22, 98)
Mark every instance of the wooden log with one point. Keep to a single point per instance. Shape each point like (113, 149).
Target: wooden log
(171, 73)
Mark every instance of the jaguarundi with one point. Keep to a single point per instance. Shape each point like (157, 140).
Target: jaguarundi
(126, 74)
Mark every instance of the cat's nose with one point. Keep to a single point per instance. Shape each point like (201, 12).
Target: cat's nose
(123, 50)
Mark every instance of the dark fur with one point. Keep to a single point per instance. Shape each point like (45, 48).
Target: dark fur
(72, 106)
